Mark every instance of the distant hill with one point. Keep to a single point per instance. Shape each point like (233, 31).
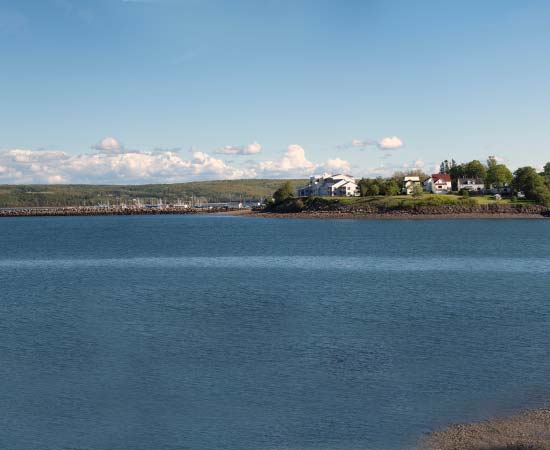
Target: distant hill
(90, 195)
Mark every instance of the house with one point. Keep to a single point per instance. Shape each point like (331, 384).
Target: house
(409, 183)
(471, 184)
(506, 189)
(330, 186)
(438, 183)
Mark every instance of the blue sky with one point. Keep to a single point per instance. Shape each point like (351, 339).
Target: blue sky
(176, 90)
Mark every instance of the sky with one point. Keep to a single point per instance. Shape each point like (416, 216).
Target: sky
(141, 91)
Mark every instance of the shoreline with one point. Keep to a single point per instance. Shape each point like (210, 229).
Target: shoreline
(394, 216)
(69, 211)
(309, 215)
(527, 430)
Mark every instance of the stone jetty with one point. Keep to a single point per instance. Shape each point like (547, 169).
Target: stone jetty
(103, 211)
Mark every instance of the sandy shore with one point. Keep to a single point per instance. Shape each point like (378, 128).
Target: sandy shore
(527, 431)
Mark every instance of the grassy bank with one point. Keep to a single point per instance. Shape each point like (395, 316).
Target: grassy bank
(527, 431)
(402, 203)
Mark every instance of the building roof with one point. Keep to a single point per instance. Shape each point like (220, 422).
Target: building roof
(445, 177)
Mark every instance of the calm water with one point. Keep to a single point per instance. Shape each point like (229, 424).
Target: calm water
(207, 333)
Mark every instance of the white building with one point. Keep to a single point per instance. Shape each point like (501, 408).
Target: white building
(409, 183)
(471, 184)
(330, 186)
(438, 183)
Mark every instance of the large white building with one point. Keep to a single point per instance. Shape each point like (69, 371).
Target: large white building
(330, 186)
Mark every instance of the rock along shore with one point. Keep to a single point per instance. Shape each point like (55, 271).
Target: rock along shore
(420, 212)
(495, 211)
(108, 211)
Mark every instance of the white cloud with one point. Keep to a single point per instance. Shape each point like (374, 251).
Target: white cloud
(498, 159)
(387, 143)
(390, 143)
(295, 164)
(251, 149)
(416, 164)
(337, 165)
(110, 163)
(294, 161)
(109, 144)
(29, 166)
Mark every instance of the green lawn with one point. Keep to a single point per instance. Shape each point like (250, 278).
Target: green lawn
(424, 200)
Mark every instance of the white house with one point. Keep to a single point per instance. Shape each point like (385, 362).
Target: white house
(409, 183)
(471, 184)
(330, 186)
(438, 183)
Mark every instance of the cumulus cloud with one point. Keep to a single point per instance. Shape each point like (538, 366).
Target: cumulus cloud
(29, 166)
(251, 149)
(387, 143)
(295, 163)
(110, 163)
(109, 144)
(390, 143)
(337, 165)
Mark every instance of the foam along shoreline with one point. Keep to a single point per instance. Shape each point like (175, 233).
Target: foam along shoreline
(529, 430)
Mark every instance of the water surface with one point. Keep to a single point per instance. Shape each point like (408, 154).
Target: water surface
(209, 332)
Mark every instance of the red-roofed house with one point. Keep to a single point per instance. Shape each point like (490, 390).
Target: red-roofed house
(438, 183)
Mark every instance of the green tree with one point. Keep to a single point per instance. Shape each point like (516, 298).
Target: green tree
(542, 196)
(417, 190)
(492, 161)
(498, 176)
(527, 180)
(285, 192)
(391, 187)
(456, 172)
(474, 169)
(373, 189)
(370, 186)
(546, 171)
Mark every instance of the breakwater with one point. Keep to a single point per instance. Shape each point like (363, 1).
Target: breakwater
(106, 211)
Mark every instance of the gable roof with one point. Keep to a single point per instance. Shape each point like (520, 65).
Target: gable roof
(445, 177)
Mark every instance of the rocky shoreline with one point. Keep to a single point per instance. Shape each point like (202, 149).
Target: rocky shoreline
(419, 212)
(490, 211)
(108, 211)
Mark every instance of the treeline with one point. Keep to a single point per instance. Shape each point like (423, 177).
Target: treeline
(534, 185)
(93, 195)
